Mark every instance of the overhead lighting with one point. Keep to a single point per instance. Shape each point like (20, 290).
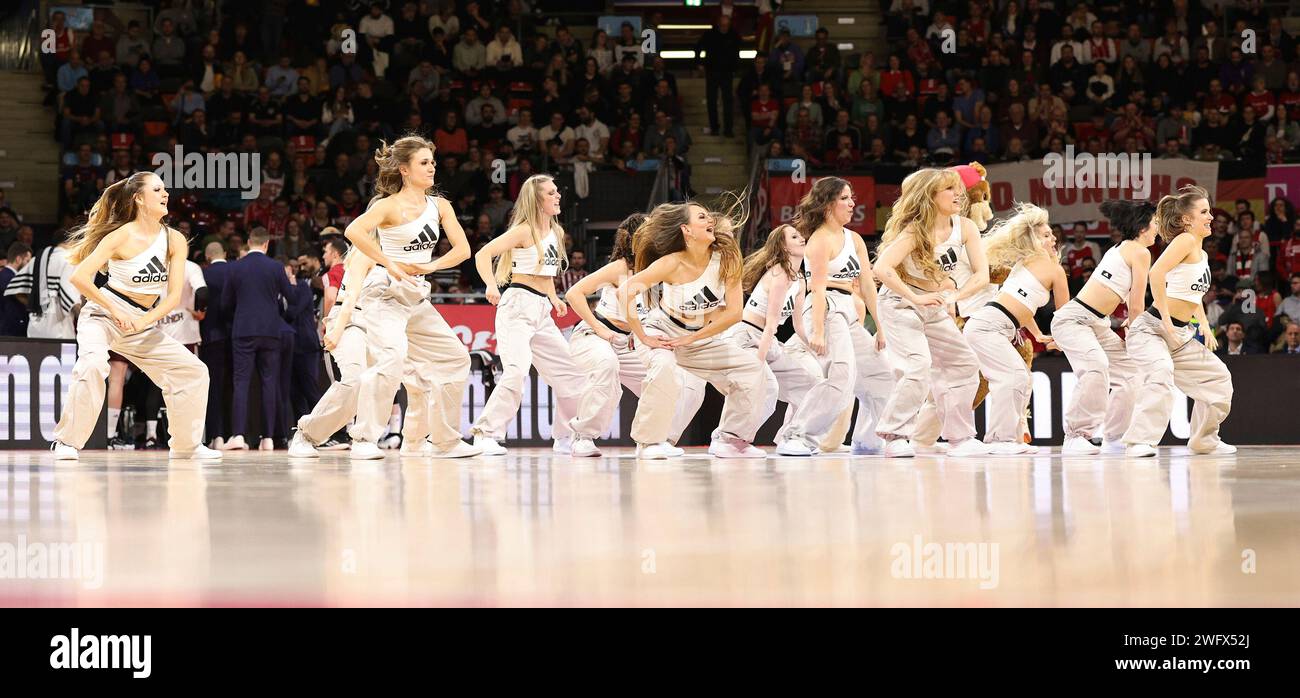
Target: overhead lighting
(677, 54)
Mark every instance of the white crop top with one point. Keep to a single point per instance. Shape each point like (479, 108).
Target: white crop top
(758, 300)
(1024, 287)
(524, 259)
(1189, 282)
(608, 307)
(145, 273)
(696, 298)
(846, 266)
(415, 241)
(1114, 273)
(946, 253)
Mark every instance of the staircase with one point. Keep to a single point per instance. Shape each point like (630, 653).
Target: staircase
(718, 164)
(29, 152)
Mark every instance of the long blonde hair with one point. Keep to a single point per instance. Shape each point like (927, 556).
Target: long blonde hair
(915, 214)
(1012, 240)
(771, 254)
(1172, 208)
(661, 235)
(528, 211)
(115, 208)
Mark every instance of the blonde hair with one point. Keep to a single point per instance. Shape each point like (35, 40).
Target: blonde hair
(915, 214)
(528, 212)
(1172, 208)
(1013, 240)
(390, 159)
(771, 254)
(115, 208)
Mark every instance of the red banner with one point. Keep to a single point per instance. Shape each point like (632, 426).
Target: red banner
(475, 324)
(783, 195)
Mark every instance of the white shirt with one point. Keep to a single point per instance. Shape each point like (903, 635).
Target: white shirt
(593, 133)
(180, 324)
(378, 28)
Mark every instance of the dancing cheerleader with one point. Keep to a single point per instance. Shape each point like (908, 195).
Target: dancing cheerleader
(529, 256)
(602, 346)
(1026, 245)
(1162, 343)
(126, 233)
(408, 222)
(1102, 404)
(697, 276)
(924, 234)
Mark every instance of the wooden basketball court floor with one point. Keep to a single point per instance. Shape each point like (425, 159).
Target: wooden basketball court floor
(536, 529)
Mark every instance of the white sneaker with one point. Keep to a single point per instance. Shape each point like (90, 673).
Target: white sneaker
(673, 451)
(1220, 449)
(793, 447)
(365, 450)
(972, 447)
(937, 448)
(391, 442)
(1007, 448)
(563, 446)
(584, 448)
(217, 444)
(730, 447)
(300, 447)
(63, 451)
(899, 448)
(414, 450)
(460, 450)
(266, 445)
(236, 443)
(487, 446)
(200, 452)
(659, 451)
(1112, 448)
(1139, 451)
(1078, 446)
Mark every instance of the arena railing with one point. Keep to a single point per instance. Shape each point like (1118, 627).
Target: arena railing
(19, 37)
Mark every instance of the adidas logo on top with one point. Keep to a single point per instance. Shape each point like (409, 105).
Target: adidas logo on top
(703, 300)
(788, 309)
(426, 240)
(948, 260)
(1202, 284)
(153, 272)
(852, 270)
(552, 257)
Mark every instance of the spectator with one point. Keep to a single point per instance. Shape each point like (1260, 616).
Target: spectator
(132, 45)
(1290, 306)
(944, 138)
(822, 61)
(169, 51)
(81, 114)
(469, 56)
(1291, 340)
(1248, 258)
(282, 79)
(1236, 344)
(1079, 249)
(523, 136)
(474, 109)
(577, 269)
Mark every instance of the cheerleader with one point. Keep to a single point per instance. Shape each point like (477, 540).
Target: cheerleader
(530, 254)
(1161, 342)
(125, 232)
(414, 337)
(698, 275)
(850, 360)
(774, 278)
(1097, 355)
(925, 233)
(601, 346)
(1026, 245)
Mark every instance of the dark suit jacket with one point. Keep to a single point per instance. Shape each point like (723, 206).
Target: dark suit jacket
(301, 315)
(215, 326)
(252, 295)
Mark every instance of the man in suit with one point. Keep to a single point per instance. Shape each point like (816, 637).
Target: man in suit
(214, 350)
(307, 359)
(253, 295)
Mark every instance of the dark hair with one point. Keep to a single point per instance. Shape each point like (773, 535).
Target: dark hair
(1130, 218)
(623, 239)
(339, 244)
(16, 248)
